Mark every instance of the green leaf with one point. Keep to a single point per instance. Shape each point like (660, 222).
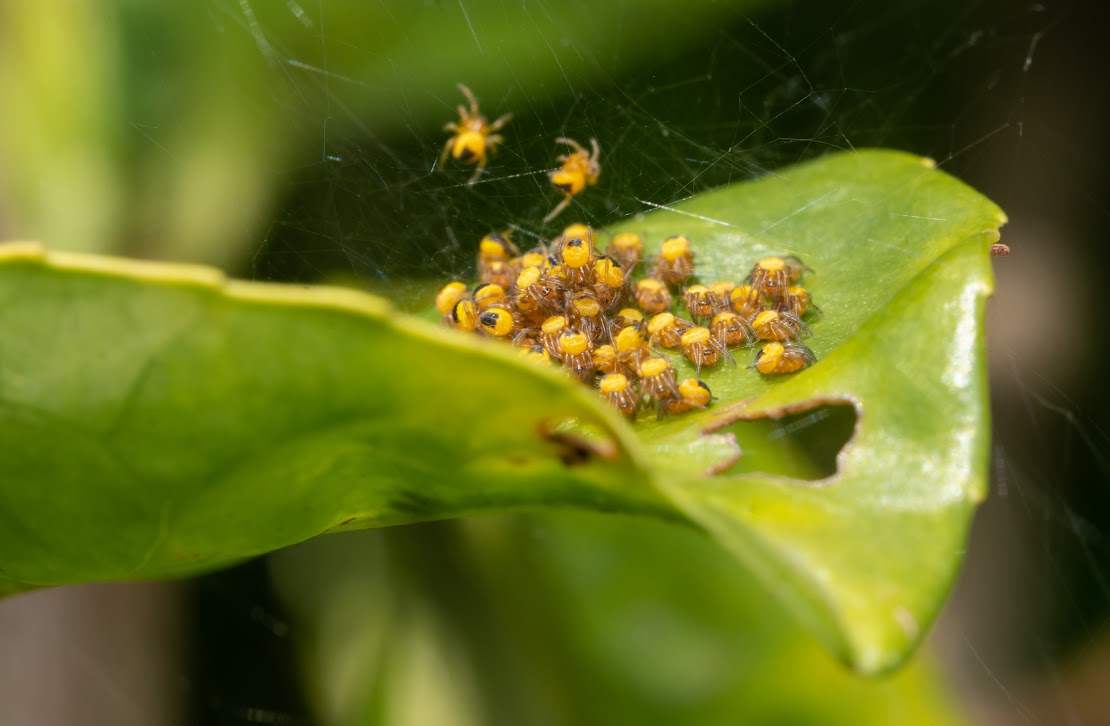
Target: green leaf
(158, 420)
(161, 421)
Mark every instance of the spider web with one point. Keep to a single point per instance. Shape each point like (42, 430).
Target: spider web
(687, 119)
(1002, 94)
(761, 91)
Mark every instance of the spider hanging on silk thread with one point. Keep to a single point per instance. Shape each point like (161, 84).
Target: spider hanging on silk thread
(474, 138)
(580, 169)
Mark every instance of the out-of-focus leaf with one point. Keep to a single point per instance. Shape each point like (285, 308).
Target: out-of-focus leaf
(568, 619)
(162, 423)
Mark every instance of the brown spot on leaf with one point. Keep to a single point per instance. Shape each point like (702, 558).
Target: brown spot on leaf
(574, 449)
(346, 521)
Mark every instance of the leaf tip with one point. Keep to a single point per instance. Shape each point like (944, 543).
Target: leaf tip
(885, 646)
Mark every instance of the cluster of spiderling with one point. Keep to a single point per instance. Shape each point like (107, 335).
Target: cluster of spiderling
(774, 304)
(566, 302)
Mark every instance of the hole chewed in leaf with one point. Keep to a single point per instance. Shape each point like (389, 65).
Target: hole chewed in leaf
(801, 441)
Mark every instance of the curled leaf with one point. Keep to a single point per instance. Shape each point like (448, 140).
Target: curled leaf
(158, 420)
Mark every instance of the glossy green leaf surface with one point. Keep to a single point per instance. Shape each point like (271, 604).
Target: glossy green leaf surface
(158, 420)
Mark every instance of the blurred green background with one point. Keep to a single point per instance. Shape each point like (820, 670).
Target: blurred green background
(297, 141)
